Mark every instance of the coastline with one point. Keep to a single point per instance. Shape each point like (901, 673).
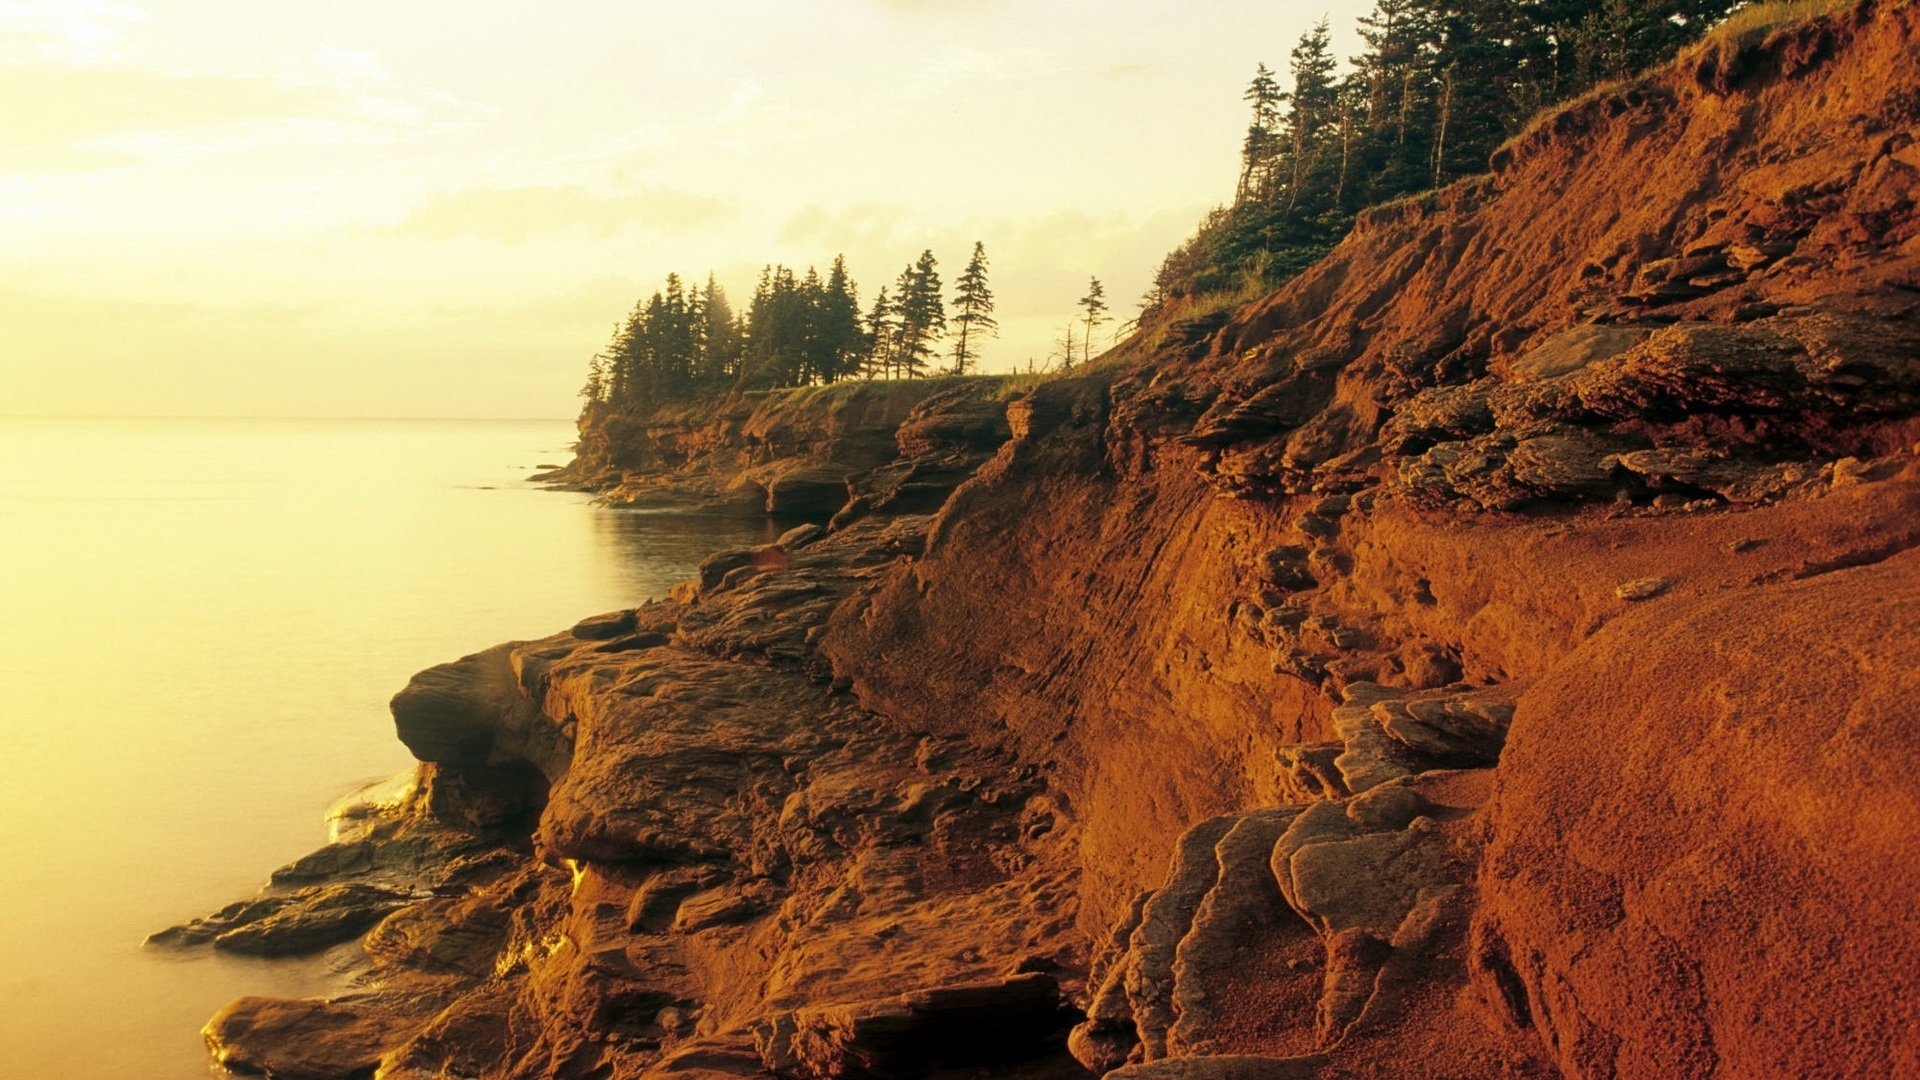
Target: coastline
(1400, 671)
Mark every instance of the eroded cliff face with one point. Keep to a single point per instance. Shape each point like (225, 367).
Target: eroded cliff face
(1487, 656)
(787, 453)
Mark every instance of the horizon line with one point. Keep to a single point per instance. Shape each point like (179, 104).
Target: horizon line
(243, 416)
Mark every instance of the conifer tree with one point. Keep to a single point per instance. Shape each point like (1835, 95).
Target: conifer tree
(839, 319)
(922, 314)
(1310, 112)
(595, 391)
(1094, 304)
(720, 336)
(1262, 144)
(882, 334)
(972, 311)
(1064, 349)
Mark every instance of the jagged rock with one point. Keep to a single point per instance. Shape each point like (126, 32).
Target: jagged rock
(800, 536)
(1308, 771)
(953, 422)
(1438, 414)
(1570, 350)
(1231, 930)
(1288, 568)
(1642, 588)
(1457, 730)
(1370, 756)
(305, 1040)
(1735, 479)
(301, 922)
(716, 907)
(813, 492)
(601, 627)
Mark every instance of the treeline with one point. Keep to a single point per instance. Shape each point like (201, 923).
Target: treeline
(1438, 86)
(798, 330)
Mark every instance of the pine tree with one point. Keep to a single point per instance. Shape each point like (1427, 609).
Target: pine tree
(595, 391)
(972, 311)
(815, 349)
(922, 314)
(1095, 306)
(1310, 113)
(1064, 349)
(720, 336)
(882, 334)
(839, 319)
(1262, 144)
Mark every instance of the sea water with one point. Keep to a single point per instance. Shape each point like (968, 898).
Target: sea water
(201, 622)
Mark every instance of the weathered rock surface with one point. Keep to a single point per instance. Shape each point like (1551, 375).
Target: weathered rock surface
(1485, 657)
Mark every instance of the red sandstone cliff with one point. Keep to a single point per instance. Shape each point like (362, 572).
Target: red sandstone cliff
(1490, 655)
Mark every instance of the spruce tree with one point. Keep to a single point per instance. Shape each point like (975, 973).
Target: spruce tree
(814, 347)
(595, 391)
(720, 336)
(881, 336)
(922, 314)
(972, 311)
(844, 341)
(1310, 115)
(1094, 304)
(1262, 144)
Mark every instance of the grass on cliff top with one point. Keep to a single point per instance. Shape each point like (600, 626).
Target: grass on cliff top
(998, 387)
(1749, 26)
(1752, 24)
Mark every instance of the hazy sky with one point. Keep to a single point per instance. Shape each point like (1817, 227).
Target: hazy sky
(401, 208)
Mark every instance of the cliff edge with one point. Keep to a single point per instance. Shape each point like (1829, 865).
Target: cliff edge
(1486, 656)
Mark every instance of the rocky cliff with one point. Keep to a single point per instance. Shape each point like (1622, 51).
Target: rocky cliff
(788, 453)
(1491, 655)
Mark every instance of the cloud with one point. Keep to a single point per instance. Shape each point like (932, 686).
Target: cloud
(78, 112)
(99, 117)
(72, 31)
(867, 227)
(963, 65)
(519, 214)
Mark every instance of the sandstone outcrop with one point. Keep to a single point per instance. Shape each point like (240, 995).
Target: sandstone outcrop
(1487, 656)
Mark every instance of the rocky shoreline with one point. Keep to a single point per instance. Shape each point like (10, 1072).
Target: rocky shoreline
(1487, 656)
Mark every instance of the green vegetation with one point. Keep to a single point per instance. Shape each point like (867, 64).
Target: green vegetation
(1752, 23)
(972, 312)
(1438, 86)
(683, 344)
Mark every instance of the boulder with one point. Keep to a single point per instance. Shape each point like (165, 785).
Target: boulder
(342, 1039)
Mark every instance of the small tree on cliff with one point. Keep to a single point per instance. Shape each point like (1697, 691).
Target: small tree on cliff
(1094, 305)
(1064, 349)
(596, 389)
(972, 311)
(1311, 115)
(1262, 144)
(882, 334)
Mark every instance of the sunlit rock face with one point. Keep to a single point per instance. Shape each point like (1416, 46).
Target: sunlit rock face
(1482, 657)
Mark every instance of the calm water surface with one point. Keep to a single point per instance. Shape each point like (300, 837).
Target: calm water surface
(200, 625)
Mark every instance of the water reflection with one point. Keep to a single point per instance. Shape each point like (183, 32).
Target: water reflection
(644, 543)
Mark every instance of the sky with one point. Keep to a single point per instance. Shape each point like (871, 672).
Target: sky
(403, 208)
